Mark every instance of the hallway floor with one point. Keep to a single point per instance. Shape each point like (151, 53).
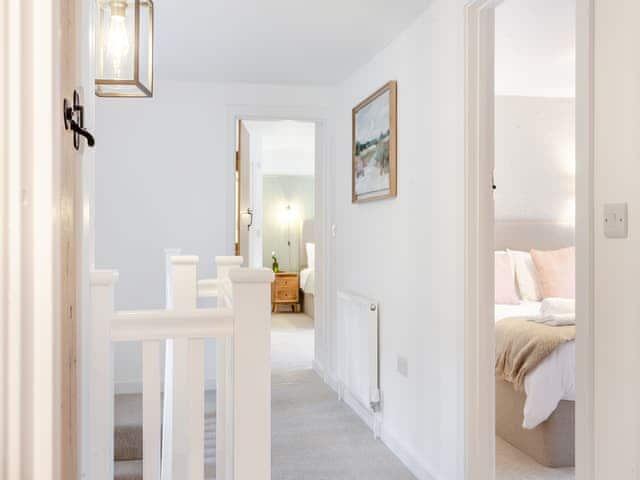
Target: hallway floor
(315, 436)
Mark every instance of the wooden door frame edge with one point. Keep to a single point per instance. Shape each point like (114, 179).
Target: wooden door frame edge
(479, 431)
(31, 116)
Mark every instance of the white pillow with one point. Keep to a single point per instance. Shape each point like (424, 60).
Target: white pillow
(526, 276)
(311, 255)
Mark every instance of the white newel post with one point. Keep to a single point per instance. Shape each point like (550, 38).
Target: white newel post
(252, 373)
(101, 376)
(183, 428)
(224, 375)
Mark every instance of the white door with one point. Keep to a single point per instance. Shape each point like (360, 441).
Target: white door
(249, 200)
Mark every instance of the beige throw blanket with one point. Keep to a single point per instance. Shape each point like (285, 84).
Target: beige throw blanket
(522, 345)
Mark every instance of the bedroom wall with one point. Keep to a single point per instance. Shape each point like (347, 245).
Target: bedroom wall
(163, 180)
(535, 110)
(408, 252)
(535, 159)
(298, 191)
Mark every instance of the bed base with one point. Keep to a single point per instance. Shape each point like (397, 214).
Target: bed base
(552, 443)
(308, 304)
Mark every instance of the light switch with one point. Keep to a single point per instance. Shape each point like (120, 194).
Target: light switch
(616, 222)
(333, 230)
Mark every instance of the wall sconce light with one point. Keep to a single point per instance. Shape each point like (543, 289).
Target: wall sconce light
(124, 48)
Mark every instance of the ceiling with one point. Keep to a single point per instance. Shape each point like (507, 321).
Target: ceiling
(535, 48)
(274, 41)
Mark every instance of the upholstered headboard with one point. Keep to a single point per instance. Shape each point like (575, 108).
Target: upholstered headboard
(533, 235)
(307, 236)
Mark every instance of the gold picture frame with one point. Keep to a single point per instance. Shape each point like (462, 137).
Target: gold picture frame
(374, 146)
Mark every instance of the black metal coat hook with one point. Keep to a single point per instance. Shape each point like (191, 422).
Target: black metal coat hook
(74, 120)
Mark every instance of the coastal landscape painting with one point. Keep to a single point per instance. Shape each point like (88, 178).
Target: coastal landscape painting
(374, 145)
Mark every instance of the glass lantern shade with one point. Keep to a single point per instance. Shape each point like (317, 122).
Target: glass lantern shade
(124, 48)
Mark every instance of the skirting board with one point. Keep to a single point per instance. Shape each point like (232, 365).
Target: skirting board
(125, 388)
(407, 457)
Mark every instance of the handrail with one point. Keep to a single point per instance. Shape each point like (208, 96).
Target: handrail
(166, 324)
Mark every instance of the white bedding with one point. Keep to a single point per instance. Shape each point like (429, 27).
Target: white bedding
(308, 280)
(551, 381)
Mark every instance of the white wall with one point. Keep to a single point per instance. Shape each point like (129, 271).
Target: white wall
(283, 147)
(408, 252)
(535, 48)
(164, 178)
(535, 159)
(278, 191)
(617, 262)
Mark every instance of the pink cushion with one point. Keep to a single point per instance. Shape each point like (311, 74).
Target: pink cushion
(556, 272)
(505, 280)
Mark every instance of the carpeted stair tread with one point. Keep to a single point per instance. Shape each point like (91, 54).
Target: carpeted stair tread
(128, 470)
(128, 427)
(128, 436)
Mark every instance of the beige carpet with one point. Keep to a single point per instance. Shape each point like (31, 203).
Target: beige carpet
(512, 464)
(314, 435)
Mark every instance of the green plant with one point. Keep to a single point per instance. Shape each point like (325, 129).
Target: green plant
(275, 267)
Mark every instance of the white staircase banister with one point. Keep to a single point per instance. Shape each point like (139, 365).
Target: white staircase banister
(252, 379)
(100, 388)
(165, 324)
(241, 323)
(224, 374)
(183, 431)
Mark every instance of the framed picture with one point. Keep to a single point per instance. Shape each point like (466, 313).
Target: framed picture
(374, 143)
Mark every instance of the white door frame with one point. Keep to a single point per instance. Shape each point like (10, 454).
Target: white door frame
(323, 201)
(31, 139)
(479, 336)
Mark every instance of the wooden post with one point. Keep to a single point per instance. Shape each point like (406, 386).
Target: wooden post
(183, 428)
(252, 373)
(101, 376)
(224, 379)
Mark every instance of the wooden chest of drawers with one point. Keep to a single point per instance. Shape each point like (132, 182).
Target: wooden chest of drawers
(285, 290)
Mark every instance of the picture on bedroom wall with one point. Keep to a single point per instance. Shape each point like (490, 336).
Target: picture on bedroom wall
(374, 145)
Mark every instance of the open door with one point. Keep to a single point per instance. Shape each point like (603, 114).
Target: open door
(248, 202)
(243, 184)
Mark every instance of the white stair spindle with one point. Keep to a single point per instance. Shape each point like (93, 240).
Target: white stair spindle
(151, 415)
(101, 376)
(252, 368)
(224, 374)
(183, 408)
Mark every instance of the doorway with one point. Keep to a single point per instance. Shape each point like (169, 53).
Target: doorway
(481, 149)
(275, 227)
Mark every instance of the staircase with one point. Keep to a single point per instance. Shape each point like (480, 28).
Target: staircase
(175, 429)
(128, 436)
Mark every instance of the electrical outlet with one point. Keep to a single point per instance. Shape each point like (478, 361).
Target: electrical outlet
(403, 366)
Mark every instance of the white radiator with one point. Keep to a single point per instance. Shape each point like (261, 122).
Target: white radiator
(358, 351)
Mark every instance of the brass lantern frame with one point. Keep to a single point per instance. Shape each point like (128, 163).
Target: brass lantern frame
(144, 91)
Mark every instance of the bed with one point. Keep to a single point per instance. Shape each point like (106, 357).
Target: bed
(539, 421)
(308, 272)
